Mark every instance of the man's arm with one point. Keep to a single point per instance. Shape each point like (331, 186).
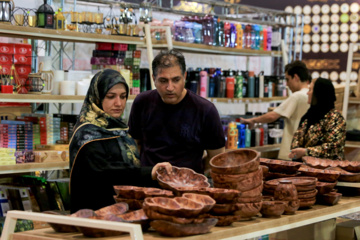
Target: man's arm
(211, 154)
(266, 118)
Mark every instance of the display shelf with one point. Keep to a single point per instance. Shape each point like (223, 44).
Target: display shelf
(32, 167)
(8, 30)
(44, 98)
(238, 230)
(47, 98)
(202, 48)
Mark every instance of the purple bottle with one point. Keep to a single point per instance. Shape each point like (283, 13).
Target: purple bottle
(269, 39)
(233, 35)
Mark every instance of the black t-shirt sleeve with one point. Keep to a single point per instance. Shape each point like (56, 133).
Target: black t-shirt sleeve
(213, 134)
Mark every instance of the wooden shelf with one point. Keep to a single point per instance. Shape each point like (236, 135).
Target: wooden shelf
(32, 167)
(8, 30)
(238, 230)
(247, 100)
(202, 48)
(44, 98)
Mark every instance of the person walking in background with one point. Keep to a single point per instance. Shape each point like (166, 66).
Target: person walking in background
(172, 124)
(292, 109)
(322, 130)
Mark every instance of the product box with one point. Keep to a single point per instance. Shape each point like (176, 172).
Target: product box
(22, 59)
(120, 47)
(57, 147)
(103, 46)
(22, 49)
(51, 156)
(23, 69)
(7, 48)
(5, 59)
(348, 230)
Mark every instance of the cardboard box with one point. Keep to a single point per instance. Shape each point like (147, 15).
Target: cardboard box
(348, 230)
(51, 156)
(22, 59)
(57, 147)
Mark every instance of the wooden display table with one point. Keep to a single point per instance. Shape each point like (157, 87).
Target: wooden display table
(238, 230)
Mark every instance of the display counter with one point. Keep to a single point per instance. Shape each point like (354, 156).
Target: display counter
(238, 230)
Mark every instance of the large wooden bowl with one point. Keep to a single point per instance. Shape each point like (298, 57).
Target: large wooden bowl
(235, 162)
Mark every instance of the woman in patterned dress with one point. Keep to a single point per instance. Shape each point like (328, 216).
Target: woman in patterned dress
(322, 130)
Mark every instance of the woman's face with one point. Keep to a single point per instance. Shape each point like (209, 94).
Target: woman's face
(311, 90)
(115, 101)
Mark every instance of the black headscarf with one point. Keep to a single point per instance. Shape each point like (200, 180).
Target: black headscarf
(323, 99)
(94, 124)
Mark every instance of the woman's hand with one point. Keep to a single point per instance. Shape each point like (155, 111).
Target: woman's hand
(297, 153)
(158, 166)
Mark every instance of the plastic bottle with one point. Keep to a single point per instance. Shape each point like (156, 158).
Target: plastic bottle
(257, 135)
(266, 133)
(220, 39)
(227, 34)
(261, 38)
(233, 35)
(230, 87)
(269, 38)
(238, 85)
(203, 84)
(257, 87)
(265, 38)
(247, 136)
(216, 21)
(222, 89)
(211, 92)
(257, 37)
(197, 31)
(253, 37)
(239, 36)
(248, 36)
(189, 35)
(251, 84)
(242, 133)
(232, 136)
(245, 75)
(208, 29)
(261, 143)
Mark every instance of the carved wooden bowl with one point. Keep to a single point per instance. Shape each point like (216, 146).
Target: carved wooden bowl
(178, 206)
(253, 192)
(248, 210)
(307, 194)
(98, 232)
(272, 209)
(292, 207)
(307, 202)
(331, 198)
(353, 166)
(140, 193)
(181, 177)
(220, 195)
(134, 204)
(116, 209)
(249, 199)
(153, 215)
(225, 220)
(324, 187)
(274, 175)
(171, 229)
(321, 174)
(235, 162)
(281, 166)
(205, 200)
(62, 228)
(323, 163)
(223, 209)
(346, 176)
(301, 183)
(241, 182)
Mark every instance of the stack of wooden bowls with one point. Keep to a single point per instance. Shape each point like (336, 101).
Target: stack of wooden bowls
(240, 170)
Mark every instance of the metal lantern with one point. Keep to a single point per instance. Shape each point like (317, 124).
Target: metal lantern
(6, 7)
(35, 83)
(45, 16)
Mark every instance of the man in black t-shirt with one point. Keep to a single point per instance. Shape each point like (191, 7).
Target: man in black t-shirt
(172, 124)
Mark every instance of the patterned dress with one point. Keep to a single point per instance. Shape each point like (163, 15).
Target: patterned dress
(325, 139)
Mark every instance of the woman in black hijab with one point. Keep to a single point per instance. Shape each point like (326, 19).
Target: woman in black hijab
(322, 129)
(102, 153)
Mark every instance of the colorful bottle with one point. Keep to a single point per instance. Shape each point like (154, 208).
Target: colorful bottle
(230, 87)
(269, 38)
(238, 85)
(227, 34)
(257, 135)
(211, 92)
(261, 38)
(251, 84)
(253, 37)
(257, 37)
(208, 30)
(233, 35)
(203, 84)
(216, 21)
(248, 36)
(247, 136)
(266, 133)
(220, 40)
(232, 136)
(265, 39)
(261, 143)
(239, 36)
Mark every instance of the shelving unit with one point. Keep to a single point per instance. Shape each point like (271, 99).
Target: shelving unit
(32, 167)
